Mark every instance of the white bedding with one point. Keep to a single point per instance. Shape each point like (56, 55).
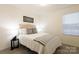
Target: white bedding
(50, 47)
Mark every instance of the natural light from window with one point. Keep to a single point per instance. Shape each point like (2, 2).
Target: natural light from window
(71, 23)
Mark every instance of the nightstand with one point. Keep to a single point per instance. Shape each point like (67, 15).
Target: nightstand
(14, 43)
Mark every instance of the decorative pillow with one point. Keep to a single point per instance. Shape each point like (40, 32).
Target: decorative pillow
(29, 31)
(22, 31)
(34, 30)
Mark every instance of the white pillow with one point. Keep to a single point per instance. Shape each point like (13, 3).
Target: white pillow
(22, 31)
(27, 31)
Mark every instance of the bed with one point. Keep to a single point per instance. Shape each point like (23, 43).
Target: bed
(42, 43)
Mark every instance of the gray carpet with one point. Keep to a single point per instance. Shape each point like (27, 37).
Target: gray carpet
(64, 49)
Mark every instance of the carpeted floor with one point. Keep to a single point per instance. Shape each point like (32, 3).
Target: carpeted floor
(64, 49)
(67, 49)
(20, 50)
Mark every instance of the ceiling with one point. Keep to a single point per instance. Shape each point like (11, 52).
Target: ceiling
(38, 9)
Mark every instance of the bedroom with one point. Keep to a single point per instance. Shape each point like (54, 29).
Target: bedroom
(47, 18)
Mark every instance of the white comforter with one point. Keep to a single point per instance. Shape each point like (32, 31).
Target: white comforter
(32, 41)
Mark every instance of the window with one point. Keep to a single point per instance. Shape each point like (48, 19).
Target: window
(71, 24)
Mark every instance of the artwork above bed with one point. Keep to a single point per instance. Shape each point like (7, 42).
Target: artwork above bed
(28, 19)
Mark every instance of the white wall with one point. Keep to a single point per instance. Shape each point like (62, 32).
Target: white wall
(9, 20)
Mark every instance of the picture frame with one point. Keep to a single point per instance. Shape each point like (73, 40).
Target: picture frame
(28, 19)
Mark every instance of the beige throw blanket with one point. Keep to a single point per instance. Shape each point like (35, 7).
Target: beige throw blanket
(43, 39)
